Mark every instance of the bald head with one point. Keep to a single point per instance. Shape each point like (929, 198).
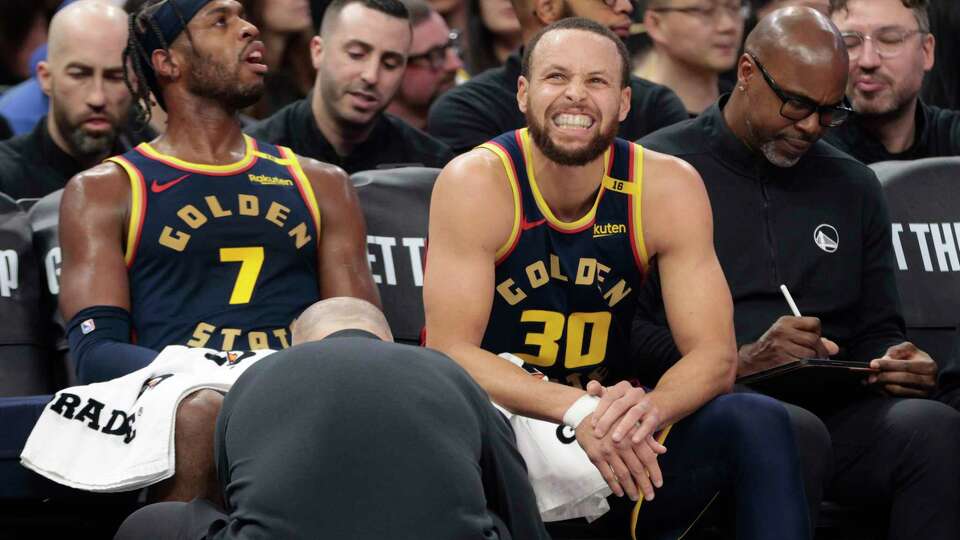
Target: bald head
(341, 313)
(790, 84)
(798, 35)
(83, 75)
(91, 24)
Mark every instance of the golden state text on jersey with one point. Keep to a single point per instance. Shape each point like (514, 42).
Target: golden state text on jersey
(565, 292)
(220, 256)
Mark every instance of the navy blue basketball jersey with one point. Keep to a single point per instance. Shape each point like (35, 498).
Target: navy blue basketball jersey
(566, 291)
(220, 256)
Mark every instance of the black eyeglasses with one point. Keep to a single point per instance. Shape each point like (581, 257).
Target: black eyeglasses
(797, 108)
(710, 13)
(436, 57)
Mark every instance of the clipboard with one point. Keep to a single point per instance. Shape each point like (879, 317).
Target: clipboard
(807, 377)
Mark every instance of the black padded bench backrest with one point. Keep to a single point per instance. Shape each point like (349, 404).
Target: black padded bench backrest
(23, 363)
(924, 201)
(45, 220)
(396, 205)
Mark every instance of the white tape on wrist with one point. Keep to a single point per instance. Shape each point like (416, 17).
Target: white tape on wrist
(580, 409)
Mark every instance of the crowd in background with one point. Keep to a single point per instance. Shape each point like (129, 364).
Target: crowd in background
(364, 95)
(689, 47)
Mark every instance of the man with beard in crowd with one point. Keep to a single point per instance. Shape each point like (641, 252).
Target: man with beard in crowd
(205, 237)
(539, 241)
(89, 104)
(891, 48)
(359, 56)
(431, 67)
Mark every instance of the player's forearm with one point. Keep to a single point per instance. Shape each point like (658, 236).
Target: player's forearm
(511, 386)
(698, 377)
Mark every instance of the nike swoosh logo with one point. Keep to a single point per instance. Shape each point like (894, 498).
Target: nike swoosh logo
(157, 187)
(527, 225)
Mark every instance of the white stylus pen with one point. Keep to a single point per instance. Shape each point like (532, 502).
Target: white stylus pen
(790, 302)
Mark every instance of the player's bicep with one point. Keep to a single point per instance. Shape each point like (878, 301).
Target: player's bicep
(92, 221)
(342, 253)
(695, 292)
(465, 227)
(457, 291)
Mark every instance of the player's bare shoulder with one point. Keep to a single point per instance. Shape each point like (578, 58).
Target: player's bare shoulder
(674, 198)
(477, 178)
(331, 184)
(102, 187)
(478, 169)
(663, 172)
(473, 189)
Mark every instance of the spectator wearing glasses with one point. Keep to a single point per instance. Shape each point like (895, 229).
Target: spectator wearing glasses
(486, 105)
(791, 209)
(360, 57)
(693, 43)
(891, 47)
(454, 12)
(431, 66)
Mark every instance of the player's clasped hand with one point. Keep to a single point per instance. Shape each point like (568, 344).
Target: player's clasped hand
(626, 455)
(905, 371)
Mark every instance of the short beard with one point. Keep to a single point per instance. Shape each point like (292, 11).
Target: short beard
(211, 80)
(769, 149)
(577, 158)
(83, 145)
(329, 96)
(872, 112)
(770, 152)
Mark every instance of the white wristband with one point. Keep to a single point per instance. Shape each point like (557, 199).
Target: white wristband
(580, 409)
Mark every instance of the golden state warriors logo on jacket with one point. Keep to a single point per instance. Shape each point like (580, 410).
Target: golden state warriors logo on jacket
(565, 291)
(223, 256)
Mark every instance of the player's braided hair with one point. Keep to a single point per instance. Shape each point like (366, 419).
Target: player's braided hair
(137, 58)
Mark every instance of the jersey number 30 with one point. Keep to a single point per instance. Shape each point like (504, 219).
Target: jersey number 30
(576, 329)
(251, 261)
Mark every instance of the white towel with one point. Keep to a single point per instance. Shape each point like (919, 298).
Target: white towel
(566, 483)
(118, 435)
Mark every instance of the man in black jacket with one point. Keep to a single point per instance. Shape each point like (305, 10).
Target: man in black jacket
(486, 105)
(360, 57)
(789, 209)
(346, 435)
(891, 48)
(89, 103)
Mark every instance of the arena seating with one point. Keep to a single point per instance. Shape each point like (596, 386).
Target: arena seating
(924, 201)
(396, 206)
(44, 217)
(23, 366)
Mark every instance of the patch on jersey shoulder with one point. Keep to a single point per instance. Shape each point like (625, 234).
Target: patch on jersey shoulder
(275, 159)
(87, 326)
(265, 180)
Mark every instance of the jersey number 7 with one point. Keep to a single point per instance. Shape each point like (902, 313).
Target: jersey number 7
(251, 261)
